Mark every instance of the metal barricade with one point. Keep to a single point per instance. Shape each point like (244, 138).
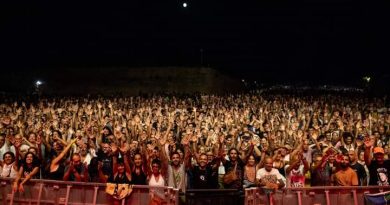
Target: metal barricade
(214, 197)
(51, 192)
(329, 195)
(77, 193)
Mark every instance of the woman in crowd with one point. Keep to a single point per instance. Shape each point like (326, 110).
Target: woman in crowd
(9, 166)
(29, 169)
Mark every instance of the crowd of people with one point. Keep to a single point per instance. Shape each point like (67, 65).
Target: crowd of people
(198, 142)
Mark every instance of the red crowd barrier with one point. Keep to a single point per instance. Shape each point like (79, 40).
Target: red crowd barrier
(329, 195)
(77, 193)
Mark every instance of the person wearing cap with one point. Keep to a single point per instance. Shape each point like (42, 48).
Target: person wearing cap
(379, 168)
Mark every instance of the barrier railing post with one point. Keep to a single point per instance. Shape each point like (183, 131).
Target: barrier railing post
(355, 200)
(4, 193)
(176, 196)
(56, 188)
(254, 195)
(39, 193)
(95, 195)
(166, 195)
(67, 194)
(271, 198)
(299, 195)
(248, 196)
(12, 197)
(327, 197)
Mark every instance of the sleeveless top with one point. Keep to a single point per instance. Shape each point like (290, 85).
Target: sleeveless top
(59, 173)
(8, 171)
(138, 179)
(155, 191)
(153, 182)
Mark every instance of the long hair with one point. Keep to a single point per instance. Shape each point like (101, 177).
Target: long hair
(35, 161)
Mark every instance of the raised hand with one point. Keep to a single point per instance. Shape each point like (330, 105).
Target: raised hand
(143, 137)
(124, 148)
(185, 141)
(359, 143)
(194, 138)
(368, 142)
(114, 148)
(339, 158)
(314, 135)
(39, 140)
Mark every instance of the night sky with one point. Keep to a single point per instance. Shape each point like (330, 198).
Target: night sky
(324, 40)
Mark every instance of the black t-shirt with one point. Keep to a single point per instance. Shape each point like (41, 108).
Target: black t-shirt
(379, 174)
(28, 169)
(107, 163)
(203, 179)
(361, 173)
(239, 171)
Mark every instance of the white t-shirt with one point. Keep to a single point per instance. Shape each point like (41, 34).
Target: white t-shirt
(273, 176)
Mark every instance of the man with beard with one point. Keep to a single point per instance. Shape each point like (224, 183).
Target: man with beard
(76, 171)
(84, 153)
(204, 175)
(176, 173)
(345, 176)
(105, 161)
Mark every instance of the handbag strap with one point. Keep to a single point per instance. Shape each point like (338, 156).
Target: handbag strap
(173, 177)
(235, 167)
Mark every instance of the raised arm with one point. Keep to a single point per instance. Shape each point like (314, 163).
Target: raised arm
(57, 160)
(367, 152)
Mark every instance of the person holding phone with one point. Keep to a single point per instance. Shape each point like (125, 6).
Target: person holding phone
(76, 170)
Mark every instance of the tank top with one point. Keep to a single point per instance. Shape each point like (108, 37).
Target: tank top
(138, 179)
(155, 191)
(8, 171)
(154, 182)
(58, 174)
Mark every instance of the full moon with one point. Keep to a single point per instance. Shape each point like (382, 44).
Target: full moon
(185, 5)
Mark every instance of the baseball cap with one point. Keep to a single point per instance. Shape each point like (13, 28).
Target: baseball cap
(379, 150)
